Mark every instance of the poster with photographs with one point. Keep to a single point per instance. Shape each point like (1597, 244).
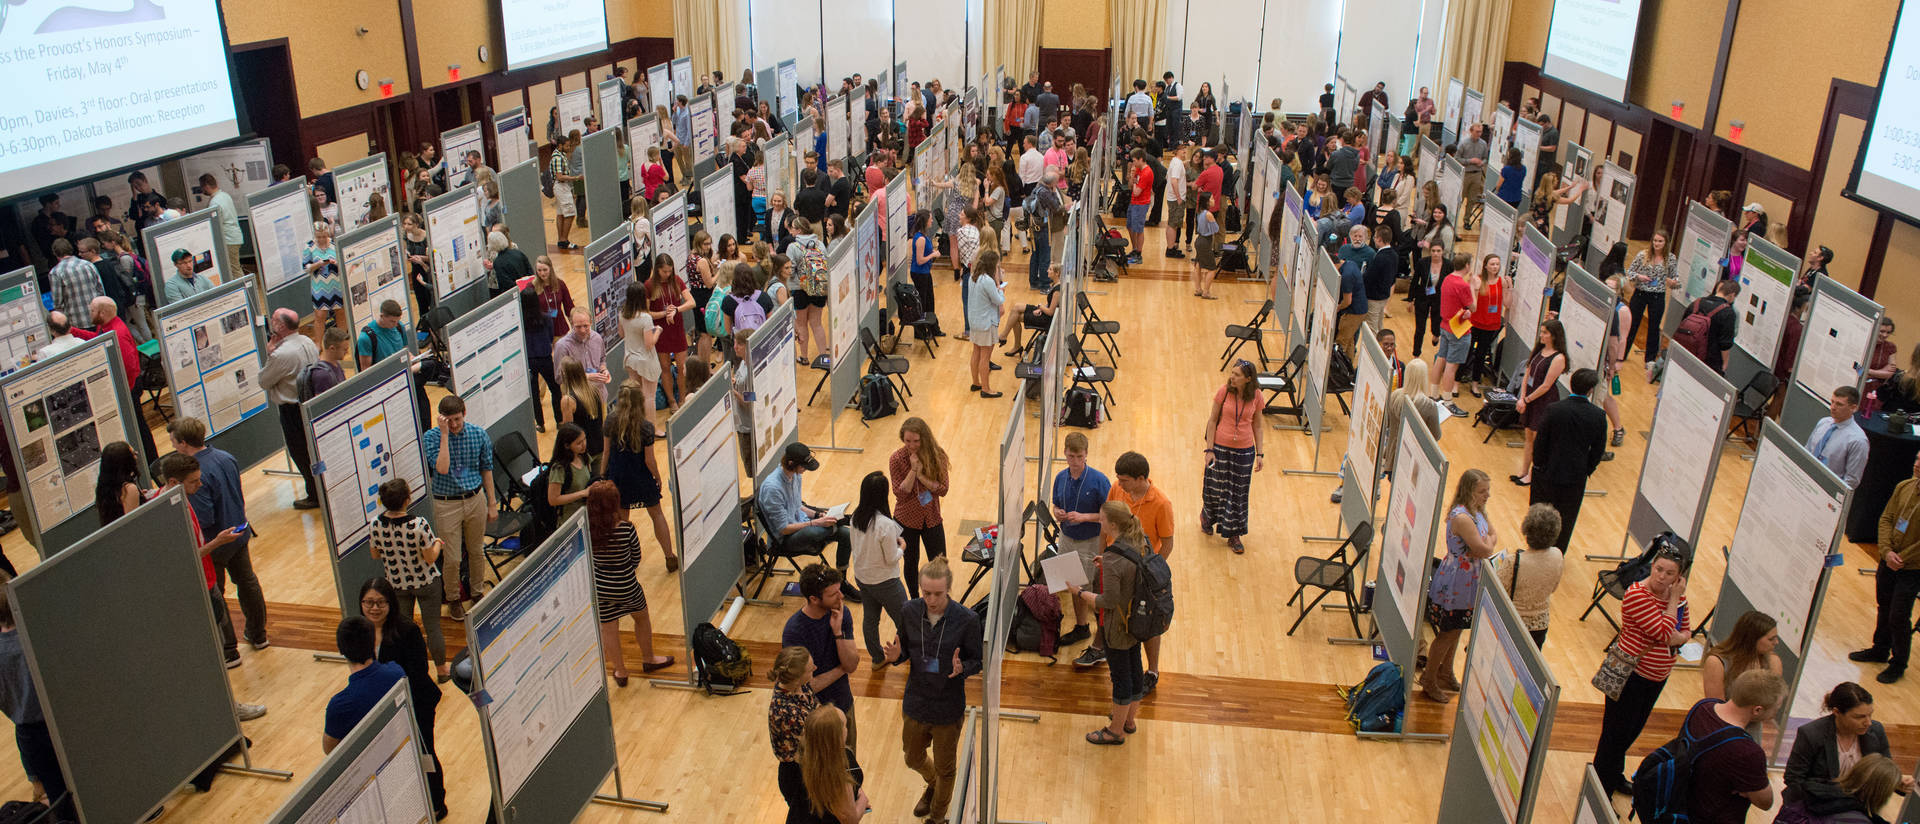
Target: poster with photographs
(61, 415)
(374, 273)
(213, 359)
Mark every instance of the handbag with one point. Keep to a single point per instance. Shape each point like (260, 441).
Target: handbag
(1611, 678)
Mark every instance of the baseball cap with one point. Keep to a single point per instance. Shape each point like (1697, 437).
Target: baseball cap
(1753, 207)
(798, 453)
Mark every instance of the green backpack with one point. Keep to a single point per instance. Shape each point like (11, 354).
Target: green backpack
(716, 317)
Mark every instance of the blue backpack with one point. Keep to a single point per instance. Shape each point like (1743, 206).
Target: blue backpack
(1376, 704)
(1662, 786)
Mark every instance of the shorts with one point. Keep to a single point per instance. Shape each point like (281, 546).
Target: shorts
(1033, 318)
(1087, 548)
(1137, 217)
(1454, 349)
(804, 300)
(563, 201)
(984, 337)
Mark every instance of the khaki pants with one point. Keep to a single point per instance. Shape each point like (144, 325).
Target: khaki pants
(463, 525)
(1347, 329)
(945, 739)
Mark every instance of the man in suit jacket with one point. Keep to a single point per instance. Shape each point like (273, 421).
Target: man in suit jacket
(1571, 443)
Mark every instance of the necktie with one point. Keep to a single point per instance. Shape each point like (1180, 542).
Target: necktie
(1820, 450)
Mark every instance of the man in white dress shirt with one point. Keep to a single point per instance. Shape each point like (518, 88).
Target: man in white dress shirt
(1837, 441)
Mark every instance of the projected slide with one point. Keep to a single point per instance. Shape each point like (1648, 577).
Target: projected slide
(541, 31)
(93, 85)
(1590, 44)
(1889, 167)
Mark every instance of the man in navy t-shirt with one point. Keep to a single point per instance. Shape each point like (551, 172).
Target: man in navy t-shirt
(1078, 493)
(824, 626)
(367, 682)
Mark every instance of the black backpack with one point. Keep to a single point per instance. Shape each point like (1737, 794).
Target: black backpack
(876, 397)
(546, 517)
(303, 380)
(906, 303)
(1150, 610)
(1080, 407)
(724, 667)
(1663, 785)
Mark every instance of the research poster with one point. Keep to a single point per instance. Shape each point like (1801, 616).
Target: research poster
(1526, 138)
(856, 123)
(1688, 421)
(1786, 529)
(1496, 234)
(575, 107)
(1429, 166)
(803, 140)
(490, 364)
(659, 88)
(455, 237)
(716, 203)
(1363, 426)
(608, 272)
(1406, 541)
(454, 145)
(643, 133)
(670, 230)
(213, 361)
(1831, 347)
(1472, 104)
(866, 247)
(62, 416)
(1502, 131)
(789, 79)
(241, 169)
(836, 129)
(538, 650)
(23, 323)
(612, 113)
(282, 229)
(843, 318)
(373, 270)
(1320, 336)
(1303, 280)
(366, 441)
(898, 244)
(1701, 249)
(1501, 705)
(779, 168)
(1377, 118)
(512, 138)
(1293, 258)
(1456, 91)
(1612, 197)
(386, 782)
(356, 186)
(776, 403)
(700, 112)
(1530, 285)
(706, 484)
(1451, 180)
(1583, 315)
(194, 233)
(1766, 289)
(682, 69)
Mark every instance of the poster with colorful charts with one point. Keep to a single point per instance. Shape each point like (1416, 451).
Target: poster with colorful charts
(282, 228)
(609, 271)
(1501, 705)
(866, 246)
(490, 363)
(62, 415)
(1766, 287)
(382, 779)
(23, 321)
(1407, 534)
(213, 359)
(455, 238)
(366, 441)
(843, 319)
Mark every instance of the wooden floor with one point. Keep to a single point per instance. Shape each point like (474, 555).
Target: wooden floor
(1245, 717)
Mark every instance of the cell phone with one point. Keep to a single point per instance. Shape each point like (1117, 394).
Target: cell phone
(240, 528)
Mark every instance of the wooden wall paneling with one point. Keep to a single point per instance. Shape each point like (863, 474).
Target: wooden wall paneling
(1089, 67)
(1843, 225)
(344, 150)
(1528, 91)
(1793, 184)
(1599, 135)
(507, 100)
(540, 101)
(1573, 124)
(573, 81)
(1626, 151)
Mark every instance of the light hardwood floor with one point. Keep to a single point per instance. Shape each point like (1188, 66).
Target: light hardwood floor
(1268, 755)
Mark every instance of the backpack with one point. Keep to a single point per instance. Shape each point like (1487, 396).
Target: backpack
(906, 303)
(1080, 407)
(876, 397)
(814, 257)
(546, 516)
(1150, 609)
(1230, 219)
(723, 666)
(373, 341)
(303, 380)
(1376, 704)
(546, 178)
(715, 323)
(1662, 786)
(1036, 622)
(1692, 334)
(749, 314)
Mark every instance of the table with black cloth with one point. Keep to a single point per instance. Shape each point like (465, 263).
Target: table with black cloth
(1889, 461)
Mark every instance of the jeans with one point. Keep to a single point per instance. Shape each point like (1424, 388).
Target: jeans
(223, 625)
(295, 433)
(539, 369)
(1620, 724)
(935, 537)
(246, 586)
(42, 763)
(1482, 363)
(808, 540)
(915, 738)
(1893, 594)
(1652, 305)
(889, 595)
(1041, 258)
(429, 598)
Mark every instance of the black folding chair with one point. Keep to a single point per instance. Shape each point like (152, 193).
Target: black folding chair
(773, 550)
(1101, 330)
(513, 460)
(824, 365)
(1750, 406)
(1085, 372)
(1334, 573)
(1238, 336)
(894, 369)
(1286, 381)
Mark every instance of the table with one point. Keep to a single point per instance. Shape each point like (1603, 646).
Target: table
(1889, 461)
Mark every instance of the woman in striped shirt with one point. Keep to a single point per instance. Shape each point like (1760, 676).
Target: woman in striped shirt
(1653, 621)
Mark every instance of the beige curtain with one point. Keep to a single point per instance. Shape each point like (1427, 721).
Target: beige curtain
(1476, 45)
(1139, 30)
(709, 32)
(1013, 36)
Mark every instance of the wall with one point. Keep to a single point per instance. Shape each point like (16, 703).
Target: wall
(1844, 225)
(325, 47)
(1675, 62)
(450, 32)
(1526, 32)
(1076, 24)
(1903, 259)
(627, 19)
(1790, 50)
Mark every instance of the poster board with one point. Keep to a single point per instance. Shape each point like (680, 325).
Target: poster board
(1497, 224)
(1612, 200)
(1450, 126)
(361, 434)
(1472, 110)
(1789, 523)
(1835, 348)
(776, 404)
(373, 269)
(1413, 523)
(898, 208)
(779, 171)
(600, 157)
(1360, 472)
(356, 183)
(1010, 562)
(488, 350)
(456, 242)
(1766, 291)
(213, 346)
(1293, 256)
(521, 204)
(682, 70)
(643, 133)
(659, 87)
(512, 138)
(454, 145)
(1526, 138)
(856, 125)
(156, 601)
(376, 773)
(1502, 138)
(1508, 696)
(243, 169)
(787, 74)
(23, 321)
(199, 234)
(1428, 167)
(716, 203)
(1323, 322)
(670, 229)
(610, 264)
(702, 444)
(1701, 248)
(866, 247)
(537, 661)
(1452, 180)
(1584, 314)
(1569, 217)
(700, 114)
(60, 412)
(1377, 119)
(575, 107)
(607, 94)
(1532, 277)
(282, 222)
(837, 137)
(843, 304)
(1683, 451)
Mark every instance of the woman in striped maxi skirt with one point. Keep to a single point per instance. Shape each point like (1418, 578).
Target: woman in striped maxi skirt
(1234, 452)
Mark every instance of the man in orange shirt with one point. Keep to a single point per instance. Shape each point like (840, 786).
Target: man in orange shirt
(1133, 488)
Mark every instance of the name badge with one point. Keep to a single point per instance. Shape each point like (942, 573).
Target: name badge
(931, 666)
(927, 498)
(1431, 290)
(1901, 527)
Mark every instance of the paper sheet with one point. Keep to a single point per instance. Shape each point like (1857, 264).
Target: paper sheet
(1063, 570)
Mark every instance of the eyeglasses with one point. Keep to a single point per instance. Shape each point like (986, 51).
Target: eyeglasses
(377, 603)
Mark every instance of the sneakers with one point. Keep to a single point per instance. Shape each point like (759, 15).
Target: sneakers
(234, 662)
(261, 644)
(1869, 655)
(1153, 682)
(1091, 657)
(1453, 409)
(248, 712)
(1074, 636)
(1619, 437)
(306, 503)
(1337, 495)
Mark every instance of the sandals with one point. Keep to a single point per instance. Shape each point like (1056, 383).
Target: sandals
(1105, 737)
(619, 679)
(1619, 436)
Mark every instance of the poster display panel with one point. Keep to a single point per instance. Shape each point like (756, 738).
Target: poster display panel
(659, 88)
(23, 322)
(700, 114)
(1497, 221)
(1451, 180)
(1472, 109)
(1612, 197)
(856, 123)
(1456, 91)
(1501, 705)
(213, 359)
(356, 183)
(1369, 409)
(608, 93)
(1406, 540)
(490, 364)
(1766, 290)
(788, 73)
(1780, 544)
(195, 233)
(242, 169)
(1688, 423)
(364, 442)
(1583, 314)
(454, 145)
(282, 229)
(716, 203)
(1701, 249)
(706, 486)
(866, 249)
(1502, 139)
(1530, 279)
(373, 270)
(898, 245)
(1428, 167)
(776, 402)
(682, 70)
(62, 415)
(1293, 258)
(1526, 138)
(837, 139)
(512, 138)
(575, 107)
(843, 314)
(609, 270)
(457, 242)
(1320, 336)
(375, 775)
(1837, 336)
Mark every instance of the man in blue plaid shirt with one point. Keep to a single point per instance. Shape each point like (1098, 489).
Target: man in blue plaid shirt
(460, 476)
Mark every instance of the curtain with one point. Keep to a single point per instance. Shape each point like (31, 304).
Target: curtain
(710, 31)
(1139, 31)
(1012, 37)
(1476, 45)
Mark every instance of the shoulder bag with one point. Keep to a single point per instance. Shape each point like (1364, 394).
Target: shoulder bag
(1614, 670)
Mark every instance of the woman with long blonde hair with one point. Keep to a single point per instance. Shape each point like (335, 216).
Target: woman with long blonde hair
(630, 464)
(789, 708)
(1124, 539)
(580, 404)
(828, 770)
